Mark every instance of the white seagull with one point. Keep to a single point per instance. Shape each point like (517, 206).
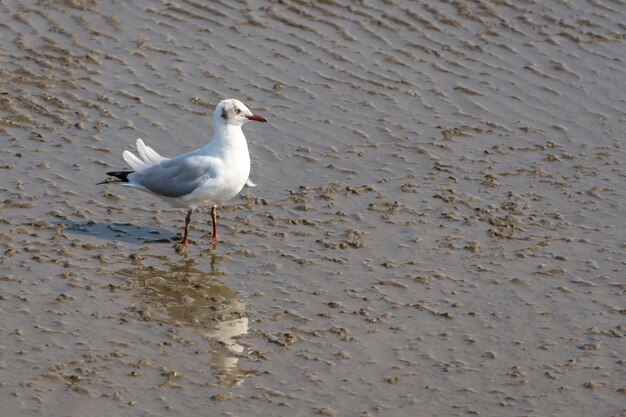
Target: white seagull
(208, 176)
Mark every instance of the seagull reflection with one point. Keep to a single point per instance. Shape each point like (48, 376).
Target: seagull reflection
(197, 300)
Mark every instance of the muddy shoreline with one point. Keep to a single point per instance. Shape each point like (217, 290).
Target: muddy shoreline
(437, 226)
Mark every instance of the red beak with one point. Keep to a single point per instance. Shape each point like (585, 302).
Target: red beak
(257, 118)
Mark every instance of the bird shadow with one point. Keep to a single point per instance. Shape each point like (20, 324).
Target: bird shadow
(123, 232)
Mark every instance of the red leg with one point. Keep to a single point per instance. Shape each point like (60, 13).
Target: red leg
(214, 217)
(185, 241)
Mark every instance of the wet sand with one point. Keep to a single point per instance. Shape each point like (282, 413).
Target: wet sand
(438, 226)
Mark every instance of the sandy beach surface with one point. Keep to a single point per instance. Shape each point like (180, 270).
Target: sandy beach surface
(437, 227)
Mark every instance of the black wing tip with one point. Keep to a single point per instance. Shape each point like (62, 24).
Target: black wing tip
(122, 176)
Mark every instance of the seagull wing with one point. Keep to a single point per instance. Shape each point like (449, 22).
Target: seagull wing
(178, 176)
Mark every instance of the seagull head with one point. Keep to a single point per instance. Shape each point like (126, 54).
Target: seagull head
(234, 112)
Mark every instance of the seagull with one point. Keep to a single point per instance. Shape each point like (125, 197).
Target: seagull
(208, 176)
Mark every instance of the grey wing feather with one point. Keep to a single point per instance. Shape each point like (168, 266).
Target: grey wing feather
(176, 177)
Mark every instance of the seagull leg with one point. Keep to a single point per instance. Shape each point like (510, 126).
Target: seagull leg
(214, 217)
(185, 241)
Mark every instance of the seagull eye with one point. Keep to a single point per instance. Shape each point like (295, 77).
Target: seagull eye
(237, 111)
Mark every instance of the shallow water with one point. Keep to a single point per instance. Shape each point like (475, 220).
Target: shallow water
(437, 227)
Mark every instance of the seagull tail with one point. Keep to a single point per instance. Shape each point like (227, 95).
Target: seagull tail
(122, 176)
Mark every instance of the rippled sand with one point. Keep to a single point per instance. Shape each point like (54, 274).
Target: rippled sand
(438, 226)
